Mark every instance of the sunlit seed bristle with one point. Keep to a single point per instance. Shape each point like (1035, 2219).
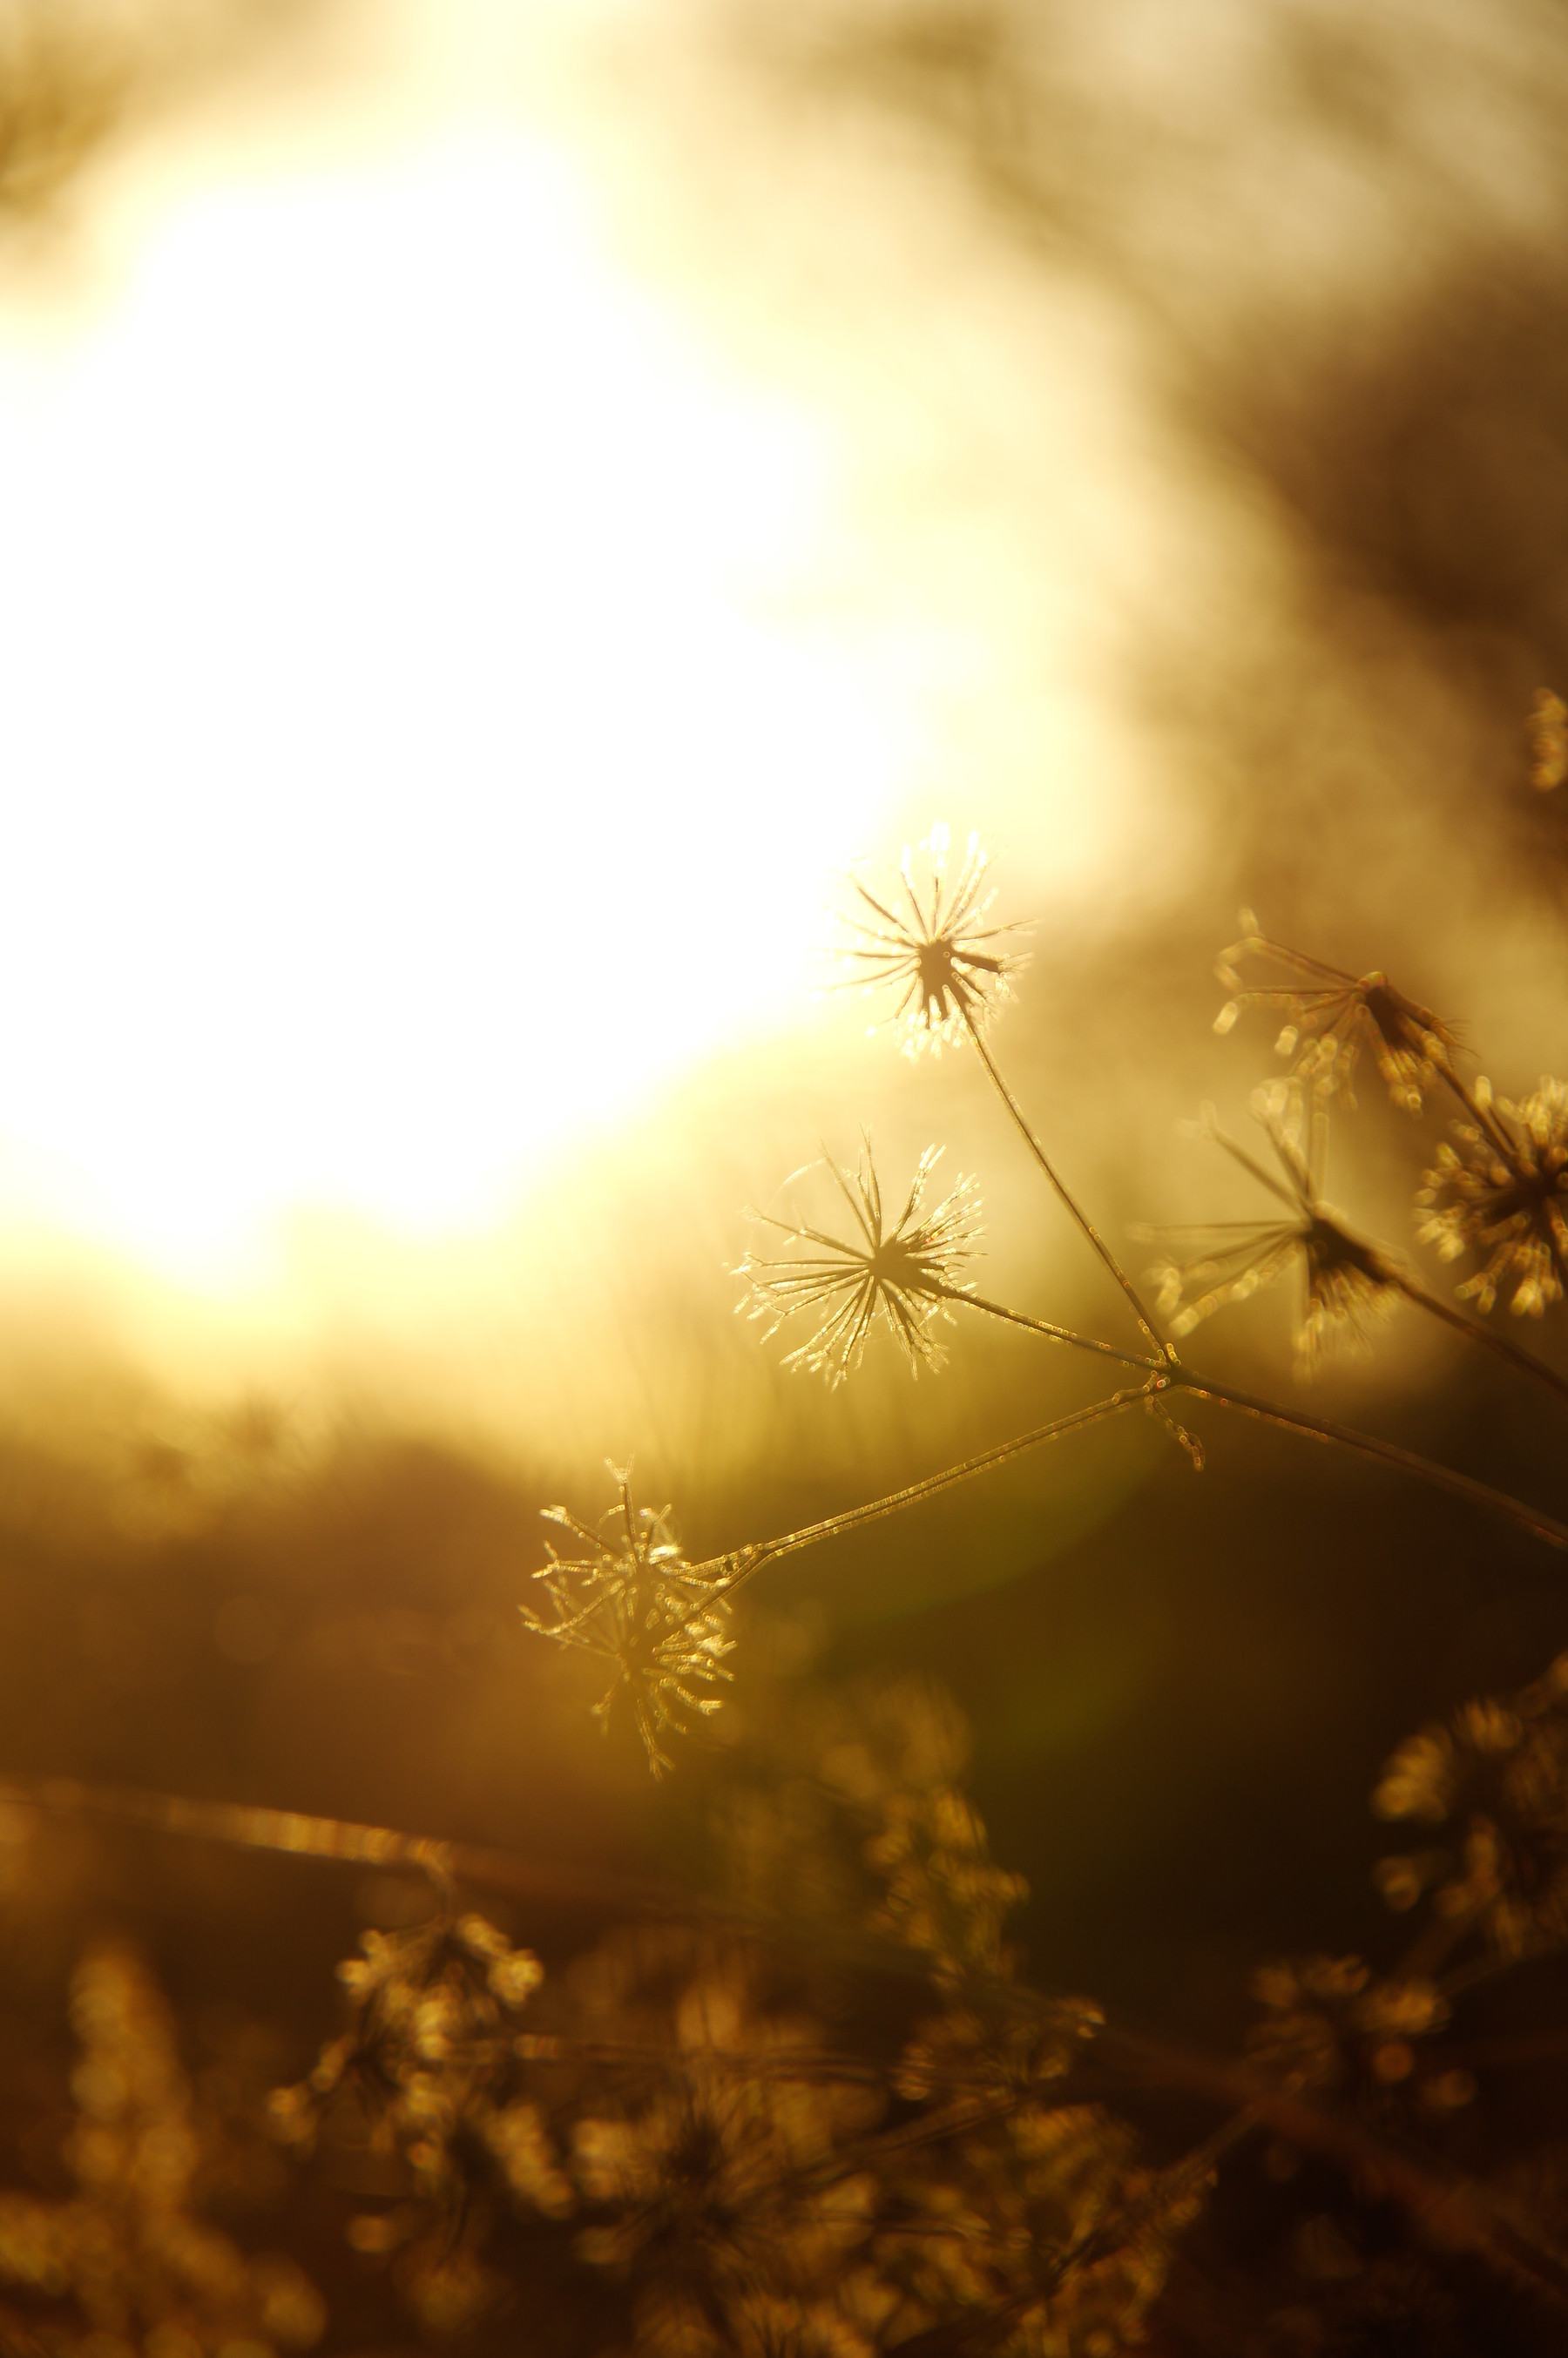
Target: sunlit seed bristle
(1344, 1279)
(1333, 1016)
(904, 1272)
(632, 1600)
(929, 943)
(1503, 1197)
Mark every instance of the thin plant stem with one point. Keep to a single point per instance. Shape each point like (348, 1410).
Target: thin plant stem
(1497, 1136)
(731, 1571)
(1176, 1377)
(1477, 1331)
(1366, 1445)
(1481, 1115)
(1167, 1355)
(1050, 1330)
(1451, 2213)
(297, 1833)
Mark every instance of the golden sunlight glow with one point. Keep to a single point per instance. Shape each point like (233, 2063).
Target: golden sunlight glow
(409, 758)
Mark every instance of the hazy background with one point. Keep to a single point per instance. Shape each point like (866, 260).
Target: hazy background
(503, 506)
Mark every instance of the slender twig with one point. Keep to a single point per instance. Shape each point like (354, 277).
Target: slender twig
(1366, 1445)
(1050, 1330)
(1166, 1353)
(1475, 1330)
(1480, 1113)
(1452, 2214)
(297, 1833)
(1177, 1378)
(1497, 1138)
(728, 1572)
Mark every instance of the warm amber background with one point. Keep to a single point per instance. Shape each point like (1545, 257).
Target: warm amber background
(1201, 487)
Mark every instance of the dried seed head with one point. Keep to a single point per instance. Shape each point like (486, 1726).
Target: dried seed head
(907, 1274)
(128, 2262)
(1498, 1772)
(1329, 1017)
(1503, 1194)
(931, 945)
(633, 1599)
(1345, 1280)
(1329, 2020)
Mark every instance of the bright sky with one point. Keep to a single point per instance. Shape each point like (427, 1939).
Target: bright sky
(407, 757)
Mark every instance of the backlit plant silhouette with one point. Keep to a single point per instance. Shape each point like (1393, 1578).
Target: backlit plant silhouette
(819, 2111)
(929, 947)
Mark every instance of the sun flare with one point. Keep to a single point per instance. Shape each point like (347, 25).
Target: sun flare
(410, 759)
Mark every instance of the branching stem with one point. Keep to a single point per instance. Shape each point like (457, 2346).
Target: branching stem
(1166, 1354)
(1449, 2212)
(297, 1833)
(1174, 1378)
(1387, 1452)
(731, 1571)
(1475, 1330)
(1053, 1332)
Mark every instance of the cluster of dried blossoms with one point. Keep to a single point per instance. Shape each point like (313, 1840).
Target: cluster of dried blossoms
(930, 944)
(733, 2155)
(907, 1274)
(431, 2076)
(1330, 1017)
(127, 2264)
(1485, 1797)
(1501, 1194)
(755, 2191)
(1345, 1280)
(631, 1600)
(688, 2132)
(1011, 2200)
(1496, 1775)
(1333, 2025)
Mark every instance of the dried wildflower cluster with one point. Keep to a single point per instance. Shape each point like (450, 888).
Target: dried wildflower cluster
(1019, 2204)
(1496, 1774)
(931, 944)
(1503, 1194)
(1344, 1279)
(1487, 1794)
(719, 2165)
(431, 2074)
(127, 2264)
(756, 2193)
(631, 1600)
(1331, 1017)
(1331, 2026)
(907, 1274)
(974, 2187)
(689, 2131)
